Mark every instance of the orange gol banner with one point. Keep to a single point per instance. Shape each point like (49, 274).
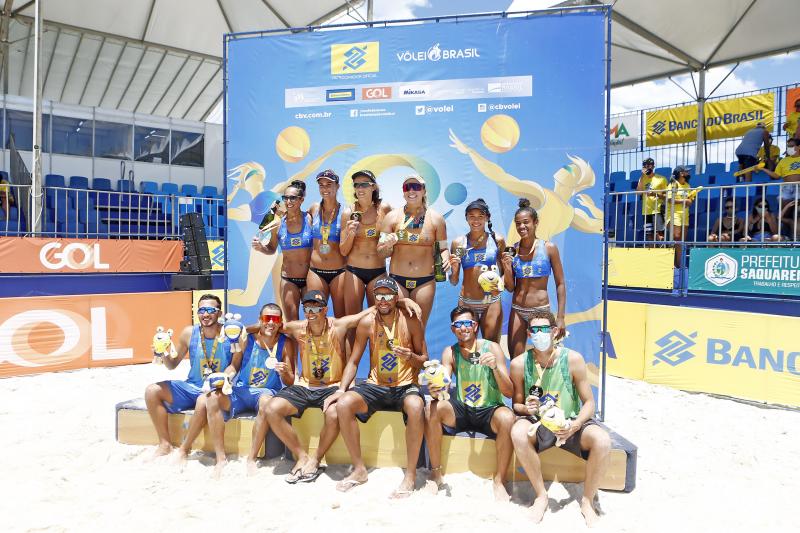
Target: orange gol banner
(37, 255)
(46, 334)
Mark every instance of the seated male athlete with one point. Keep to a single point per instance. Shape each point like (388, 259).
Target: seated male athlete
(558, 373)
(478, 368)
(207, 354)
(321, 341)
(397, 351)
(267, 364)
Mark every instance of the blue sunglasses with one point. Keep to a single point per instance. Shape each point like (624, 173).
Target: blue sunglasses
(462, 323)
(537, 329)
(207, 310)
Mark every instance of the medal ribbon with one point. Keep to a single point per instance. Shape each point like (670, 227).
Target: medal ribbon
(314, 351)
(389, 332)
(325, 227)
(204, 362)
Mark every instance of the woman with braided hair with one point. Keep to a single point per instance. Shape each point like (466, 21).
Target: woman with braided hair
(477, 251)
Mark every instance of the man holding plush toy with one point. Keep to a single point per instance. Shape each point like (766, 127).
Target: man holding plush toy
(213, 363)
(553, 397)
(478, 368)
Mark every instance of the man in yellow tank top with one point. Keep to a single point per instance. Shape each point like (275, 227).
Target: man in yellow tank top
(478, 369)
(557, 373)
(397, 352)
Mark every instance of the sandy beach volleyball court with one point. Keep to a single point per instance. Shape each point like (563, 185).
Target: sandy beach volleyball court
(705, 464)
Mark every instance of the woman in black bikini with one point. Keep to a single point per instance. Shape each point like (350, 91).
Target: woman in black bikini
(327, 262)
(294, 238)
(359, 243)
(408, 235)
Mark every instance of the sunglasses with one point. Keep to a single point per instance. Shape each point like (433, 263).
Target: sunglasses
(292, 198)
(413, 187)
(362, 184)
(462, 323)
(207, 310)
(539, 329)
(312, 310)
(384, 297)
(267, 319)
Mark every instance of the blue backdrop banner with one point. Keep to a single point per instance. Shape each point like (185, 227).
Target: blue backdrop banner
(496, 107)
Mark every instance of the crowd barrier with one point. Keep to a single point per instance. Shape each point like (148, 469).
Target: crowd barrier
(744, 355)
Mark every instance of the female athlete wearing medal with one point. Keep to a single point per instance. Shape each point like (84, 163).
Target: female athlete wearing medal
(360, 232)
(409, 235)
(327, 262)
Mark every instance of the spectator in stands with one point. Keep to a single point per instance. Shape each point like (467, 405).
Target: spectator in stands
(769, 154)
(762, 224)
(789, 169)
(397, 352)
(790, 220)
(679, 198)
(207, 355)
(478, 368)
(729, 226)
(652, 200)
(792, 124)
(747, 151)
(327, 261)
(6, 197)
(549, 372)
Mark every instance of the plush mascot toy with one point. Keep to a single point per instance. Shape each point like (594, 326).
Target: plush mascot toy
(490, 281)
(552, 417)
(162, 345)
(433, 374)
(218, 381)
(232, 328)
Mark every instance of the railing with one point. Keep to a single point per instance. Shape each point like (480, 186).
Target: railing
(82, 213)
(779, 226)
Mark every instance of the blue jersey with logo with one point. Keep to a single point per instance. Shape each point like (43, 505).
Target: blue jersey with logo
(537, 266)
(254, 372)
(294, 241)
(336, 229)
(216, 362)
(480, 256)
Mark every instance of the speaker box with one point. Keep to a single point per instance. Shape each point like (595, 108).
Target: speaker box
(196, 263)
(193, 234)
(195, 248)
(194, 220)
(191, 282)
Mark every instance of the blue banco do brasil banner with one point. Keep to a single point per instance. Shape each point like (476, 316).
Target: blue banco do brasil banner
(759, 270)
(498, 108)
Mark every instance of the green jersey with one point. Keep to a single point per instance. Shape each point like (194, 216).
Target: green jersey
(556, 382)
(475, 383)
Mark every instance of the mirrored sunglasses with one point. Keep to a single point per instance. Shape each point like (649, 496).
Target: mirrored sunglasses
(539, 329)
(412, 187)
(274, 319)
(312, 310)
(384, 297)
(290, 198)
(362, 184)
(207, 310)
(462, 323)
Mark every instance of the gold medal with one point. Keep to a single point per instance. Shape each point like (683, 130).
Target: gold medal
(317, 367)
(389, 332)
(208, 364)
(325, 229)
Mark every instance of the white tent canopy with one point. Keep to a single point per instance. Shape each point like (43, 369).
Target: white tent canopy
(160, 57)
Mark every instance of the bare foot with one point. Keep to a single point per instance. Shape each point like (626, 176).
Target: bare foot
(500, 493)
(538, 508)
(251, 467)
(588, 512)
(310, 466)
(218, 468)
(435, 482)
(180, 458)
(405, 488)
(161, 450)
(297, 470)
(356, 478)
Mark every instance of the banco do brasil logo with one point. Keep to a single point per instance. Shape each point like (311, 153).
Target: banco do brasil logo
(674, 348)
(721, 269)
(659, 127)
(355, 58)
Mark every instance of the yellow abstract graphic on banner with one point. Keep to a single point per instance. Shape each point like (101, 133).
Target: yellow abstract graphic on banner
(649, 268)
(724, 118)
(216, 249)
(355, 58)
(626, 330)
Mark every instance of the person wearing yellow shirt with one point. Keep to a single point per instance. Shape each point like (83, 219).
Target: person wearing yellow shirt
(792, 124)
(679, 198)
(6, 198)
(652, 200)
(789, 169)
(774, 154)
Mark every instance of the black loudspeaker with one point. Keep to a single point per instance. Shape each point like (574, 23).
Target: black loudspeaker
(195, 246)
(191, 282)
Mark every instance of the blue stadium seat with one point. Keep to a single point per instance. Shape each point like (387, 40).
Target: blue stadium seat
(101, 184)
(715, 169)
(8, 228)
(4, 175)
(58, 199)
(79, 182)
(209, 191)
(150, 187)
(699, 180)
(733, 166)
(189, 189)
(170, 188)
(125, 186)
(72, 228)
(54, 180)
(664, 171)
(97, 229)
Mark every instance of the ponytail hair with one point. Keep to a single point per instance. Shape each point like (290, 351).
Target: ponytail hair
(481, 205)
(525, 207)
(299, 185)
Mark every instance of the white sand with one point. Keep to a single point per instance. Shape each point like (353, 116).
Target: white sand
(705, 464)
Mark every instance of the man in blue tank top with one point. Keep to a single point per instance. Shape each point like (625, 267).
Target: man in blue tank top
(207, 354)
(267, 365)
(747, 151)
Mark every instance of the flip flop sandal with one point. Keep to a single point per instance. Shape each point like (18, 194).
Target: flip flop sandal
(294, 476)
(312, 477)
(346, 485)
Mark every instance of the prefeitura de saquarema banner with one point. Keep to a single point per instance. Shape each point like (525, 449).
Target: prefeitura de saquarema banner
(498, 108)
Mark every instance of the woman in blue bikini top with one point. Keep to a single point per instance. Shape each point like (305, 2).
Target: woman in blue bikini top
(526, 273)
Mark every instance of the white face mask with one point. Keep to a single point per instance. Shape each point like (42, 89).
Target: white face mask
(791, 150)
(759, 210)
(541, 341)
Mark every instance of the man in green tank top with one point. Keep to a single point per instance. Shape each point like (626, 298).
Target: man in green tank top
(478, 369)
(558, 373)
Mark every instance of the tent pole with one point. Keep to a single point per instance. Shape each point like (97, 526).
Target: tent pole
(701, 122)
(36, 184)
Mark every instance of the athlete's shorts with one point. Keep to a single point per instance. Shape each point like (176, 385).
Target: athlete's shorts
(473, 418)
(380, 398)
(302, 398)
(184, 395)
(547, 439)
(245, 400)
